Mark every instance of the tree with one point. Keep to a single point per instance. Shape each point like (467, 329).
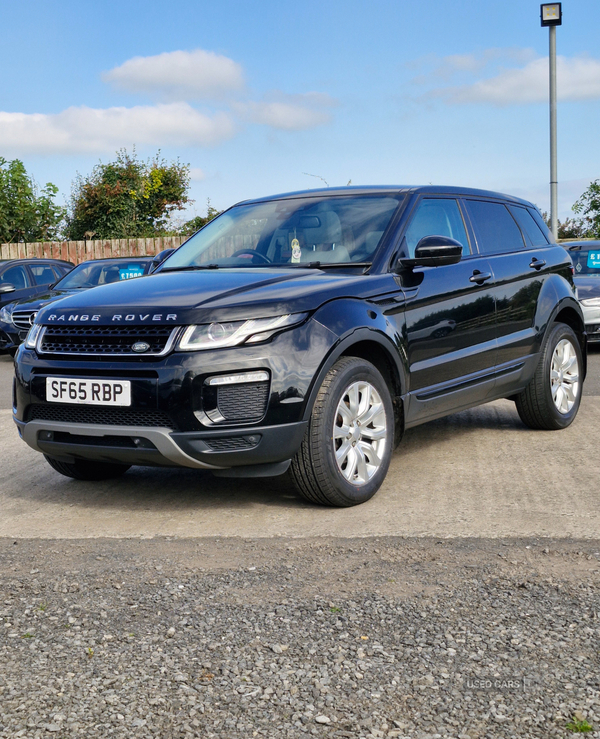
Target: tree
(26, 212)
(195, 224)
(570, 228)
(127, 198)
(589, 206)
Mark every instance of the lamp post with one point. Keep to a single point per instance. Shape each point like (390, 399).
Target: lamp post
(551, 16)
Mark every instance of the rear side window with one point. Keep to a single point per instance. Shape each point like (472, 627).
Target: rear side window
(533, 233)
(496, 230)
(436, 217)
(43, 274)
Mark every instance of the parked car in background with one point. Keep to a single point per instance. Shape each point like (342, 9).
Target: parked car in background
(586, 262)
(16, 318)
(23, 278)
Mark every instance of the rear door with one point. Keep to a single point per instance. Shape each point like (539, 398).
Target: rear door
(450, 315)
(43, 274)
(521, 259)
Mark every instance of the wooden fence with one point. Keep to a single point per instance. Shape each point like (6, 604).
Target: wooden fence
(80, 251)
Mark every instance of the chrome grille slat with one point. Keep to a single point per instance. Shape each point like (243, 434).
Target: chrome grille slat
(23, 319)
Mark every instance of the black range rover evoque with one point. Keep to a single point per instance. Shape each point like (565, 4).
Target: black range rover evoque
(305, 332)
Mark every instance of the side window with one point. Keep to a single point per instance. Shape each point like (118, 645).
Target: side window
(496, 230)
(533, 233)
(16, 276)
(436, 217)
(43, 274)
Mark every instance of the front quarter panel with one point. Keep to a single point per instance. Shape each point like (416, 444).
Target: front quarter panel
(357, 322)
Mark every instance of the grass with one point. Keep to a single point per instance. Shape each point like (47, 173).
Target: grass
(579, 726)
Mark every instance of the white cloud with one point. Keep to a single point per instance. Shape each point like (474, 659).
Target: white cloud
(457, 63)
(197, 174)
(179, 75)
(288, 112)
(578, 79)
(90, 130)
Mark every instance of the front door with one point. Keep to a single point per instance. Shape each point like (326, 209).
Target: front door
(450, 317)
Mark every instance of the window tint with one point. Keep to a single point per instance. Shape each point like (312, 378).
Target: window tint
(330, 230)
(16, 276)
(537, 217)
(496, 229)
(436, 217)
(533, 233)
(43, 274)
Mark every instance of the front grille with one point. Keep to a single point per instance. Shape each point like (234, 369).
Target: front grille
(106, 340)
(98, 415)
(23, 319)
(244, 402)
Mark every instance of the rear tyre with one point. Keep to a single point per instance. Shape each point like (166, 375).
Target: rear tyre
(83, 469)
(346, 451)
(551, 400)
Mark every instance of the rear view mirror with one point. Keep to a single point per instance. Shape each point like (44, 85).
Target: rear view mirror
(309, 222)
(7, 288)
(432, 251)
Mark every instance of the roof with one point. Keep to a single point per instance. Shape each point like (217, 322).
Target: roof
(117, 260)
(581, 244)
(390, 189)
(45, 260)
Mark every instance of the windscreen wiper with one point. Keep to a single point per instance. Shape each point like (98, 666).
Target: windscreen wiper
(190, 267)
(326, 265)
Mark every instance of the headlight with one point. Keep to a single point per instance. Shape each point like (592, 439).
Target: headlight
(218, 335)
(591, 302)
(32, 336)
(6, 313)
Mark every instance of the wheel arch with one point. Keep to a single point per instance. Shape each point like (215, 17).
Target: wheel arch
(382, 354)
(569, 313)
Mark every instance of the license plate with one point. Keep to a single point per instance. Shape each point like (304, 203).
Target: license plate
(88, 392)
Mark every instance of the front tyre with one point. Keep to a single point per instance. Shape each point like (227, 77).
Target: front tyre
(346, 451)
(551, 400)
(83, 469)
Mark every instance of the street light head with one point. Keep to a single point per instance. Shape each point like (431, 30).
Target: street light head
(551, 14)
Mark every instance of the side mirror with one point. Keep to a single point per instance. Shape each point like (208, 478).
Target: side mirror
(159, 259)
(7, 288)
(432, 251)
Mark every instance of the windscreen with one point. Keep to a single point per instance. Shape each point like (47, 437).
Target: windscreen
(92, 274)
(294, 232)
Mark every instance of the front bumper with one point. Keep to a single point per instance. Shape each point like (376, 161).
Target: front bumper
(266, 446)
(10, 338)
(169, 422)
(591, 316)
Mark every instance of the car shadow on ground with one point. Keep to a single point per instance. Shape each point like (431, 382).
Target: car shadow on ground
(171, 491)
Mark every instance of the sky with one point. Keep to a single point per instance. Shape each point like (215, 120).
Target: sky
(268, 97)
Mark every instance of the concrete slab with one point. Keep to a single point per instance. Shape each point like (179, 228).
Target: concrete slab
(479, 473)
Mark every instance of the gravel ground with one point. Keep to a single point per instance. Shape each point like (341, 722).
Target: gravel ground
(285, 638)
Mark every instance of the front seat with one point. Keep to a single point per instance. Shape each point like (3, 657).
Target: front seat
(323, 243)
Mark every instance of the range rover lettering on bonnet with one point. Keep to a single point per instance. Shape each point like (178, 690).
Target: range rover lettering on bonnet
(82, 318)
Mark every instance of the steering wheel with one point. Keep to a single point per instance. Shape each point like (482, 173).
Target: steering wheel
(252, 253)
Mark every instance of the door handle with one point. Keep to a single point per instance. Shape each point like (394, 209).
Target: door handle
(537, 263)
(480, 277)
